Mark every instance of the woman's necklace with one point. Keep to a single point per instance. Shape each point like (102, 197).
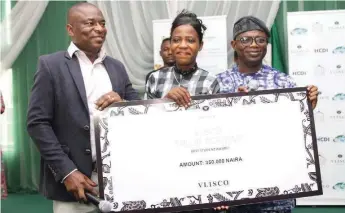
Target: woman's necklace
(179, 82)
(183, 73)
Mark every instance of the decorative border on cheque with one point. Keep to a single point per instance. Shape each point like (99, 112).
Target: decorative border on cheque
(234, 197)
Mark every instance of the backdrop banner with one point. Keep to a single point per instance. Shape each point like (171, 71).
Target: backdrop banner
(317, 56)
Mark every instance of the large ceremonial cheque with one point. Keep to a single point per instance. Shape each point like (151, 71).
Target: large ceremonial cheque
(224, 149)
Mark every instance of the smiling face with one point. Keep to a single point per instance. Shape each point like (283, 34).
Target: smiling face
(185, 45)
(87, 28)
(251, 51)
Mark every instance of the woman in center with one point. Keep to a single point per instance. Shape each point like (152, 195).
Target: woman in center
(185, 78)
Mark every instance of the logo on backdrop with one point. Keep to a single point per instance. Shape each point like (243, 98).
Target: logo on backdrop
(323, 139)
(300, 49)
(336, 26)
(339, 139)
(323, 96)
(338, 70)
(299, 31)
(339, 97)
(339, 159)
(338, 115)
(321, 50)
(319, 116)
(325, 186)
(317, 27)
(339, 186)
(298, 73)
(319, 70)
(339, 50)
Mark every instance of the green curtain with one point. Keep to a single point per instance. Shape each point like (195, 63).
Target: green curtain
(2, 10)
(279, 28)
(4, 7)
(23, 161)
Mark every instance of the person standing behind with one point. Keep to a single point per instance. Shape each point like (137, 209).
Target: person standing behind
(3, 177)
(185, 78)
(70, 90)
(166, 55)
(2, 103)
(250, 39)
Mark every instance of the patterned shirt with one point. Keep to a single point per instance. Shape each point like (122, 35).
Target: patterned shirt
(267, 78)
(162, 81)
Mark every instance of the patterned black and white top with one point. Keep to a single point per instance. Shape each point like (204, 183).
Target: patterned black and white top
(199, 82)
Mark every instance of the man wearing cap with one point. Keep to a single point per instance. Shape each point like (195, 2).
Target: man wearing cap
(250, 39)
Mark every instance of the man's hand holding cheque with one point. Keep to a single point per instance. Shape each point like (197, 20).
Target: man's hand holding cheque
(312, 93)
(107, 99)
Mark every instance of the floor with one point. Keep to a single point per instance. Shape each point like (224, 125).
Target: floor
(37, 204)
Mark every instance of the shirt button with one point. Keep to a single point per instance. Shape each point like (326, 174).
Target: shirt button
(86, 128)
(87, 151)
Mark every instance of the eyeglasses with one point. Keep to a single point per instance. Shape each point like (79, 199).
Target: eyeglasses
(247, 41)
